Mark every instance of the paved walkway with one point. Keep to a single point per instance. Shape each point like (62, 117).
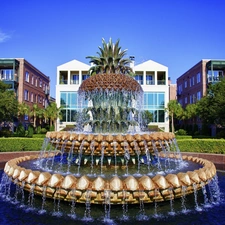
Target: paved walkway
(6, 156)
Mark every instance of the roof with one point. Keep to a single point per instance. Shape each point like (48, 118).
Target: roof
(215, 64)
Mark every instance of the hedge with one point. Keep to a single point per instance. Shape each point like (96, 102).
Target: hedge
(216, 146)
(20, 144)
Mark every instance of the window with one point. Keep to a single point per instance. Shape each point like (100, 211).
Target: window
(185, 84)
(63, 77)
(32, 97)
(70, 104)
(39, 99)
(26, 95)
(181, 101)
(214, 75)
(6, 74)
(180, 89)
(36, 82)
(198, 77)
(74, 79)
(85, 76)
(149, 80)
(193, 80)
(155, 103)
(27, 76)
(191, 99)
(32, 80)
(198, 95)
(185, 100)
(40, 82)
(139, 79)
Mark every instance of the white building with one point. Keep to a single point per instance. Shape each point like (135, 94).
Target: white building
(152, 76)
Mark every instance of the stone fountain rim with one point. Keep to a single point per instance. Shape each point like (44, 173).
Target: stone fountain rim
(206, 173)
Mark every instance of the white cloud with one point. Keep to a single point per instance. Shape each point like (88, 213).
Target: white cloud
(4, 36)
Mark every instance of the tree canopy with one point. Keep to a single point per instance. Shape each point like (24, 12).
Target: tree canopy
(110, 59)
(211, 108)
(174, 110)
(8, 103)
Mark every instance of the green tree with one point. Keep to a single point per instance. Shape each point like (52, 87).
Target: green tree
(190, 111)
(35, 111)
(174, 110)
(23, 109)
(110, 59)
(53, 113)
(146, 118)
(8, 103)
(211, 108)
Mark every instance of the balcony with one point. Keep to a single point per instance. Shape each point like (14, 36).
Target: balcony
(214, 79)
(8, 75)
(161, 82)
(150, 82)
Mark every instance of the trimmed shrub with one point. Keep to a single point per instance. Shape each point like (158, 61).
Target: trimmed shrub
(221, 134)
(20, 144)
(30, 131)
(216, 146)
(20, 131)
(52, 128)
(38, 130)
(5, 132)
(39, 136)
(43, 131)
(181, 132)
(183, 136)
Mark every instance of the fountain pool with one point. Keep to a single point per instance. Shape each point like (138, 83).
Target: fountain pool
(14, 211)
(109, 170)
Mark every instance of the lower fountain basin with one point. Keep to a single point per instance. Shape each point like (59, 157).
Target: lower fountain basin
(193, 209)
(115, 190)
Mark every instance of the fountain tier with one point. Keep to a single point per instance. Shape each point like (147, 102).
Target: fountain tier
(116, 190)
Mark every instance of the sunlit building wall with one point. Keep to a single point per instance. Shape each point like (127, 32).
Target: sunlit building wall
(152, 76)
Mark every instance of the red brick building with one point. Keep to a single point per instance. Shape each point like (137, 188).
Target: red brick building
(192, 85)
(29, 84)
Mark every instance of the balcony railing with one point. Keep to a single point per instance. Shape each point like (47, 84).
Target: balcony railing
(9, 78)
(150, 82)
(213, 79)
(161, 82)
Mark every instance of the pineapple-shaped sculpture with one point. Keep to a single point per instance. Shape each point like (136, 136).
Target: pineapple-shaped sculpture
(111, 90)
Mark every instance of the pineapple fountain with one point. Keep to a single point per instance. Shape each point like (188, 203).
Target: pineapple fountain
(113, 162)
(113, 150)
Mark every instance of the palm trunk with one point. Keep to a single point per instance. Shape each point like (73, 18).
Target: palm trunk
(172, 123)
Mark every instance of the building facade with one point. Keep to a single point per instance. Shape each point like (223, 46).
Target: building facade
(29, 84)
(192, 85)
(152, 76)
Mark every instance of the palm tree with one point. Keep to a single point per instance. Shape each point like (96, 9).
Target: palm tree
(174, 110)
(191, 112)
(23, 109)
(34, 112)
(53, 113)
(110, 59)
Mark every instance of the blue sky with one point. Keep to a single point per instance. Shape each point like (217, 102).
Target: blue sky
(175, 33)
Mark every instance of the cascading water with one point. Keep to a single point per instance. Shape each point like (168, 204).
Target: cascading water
(113, 163)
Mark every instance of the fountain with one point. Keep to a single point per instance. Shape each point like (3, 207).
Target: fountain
(112, 162)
